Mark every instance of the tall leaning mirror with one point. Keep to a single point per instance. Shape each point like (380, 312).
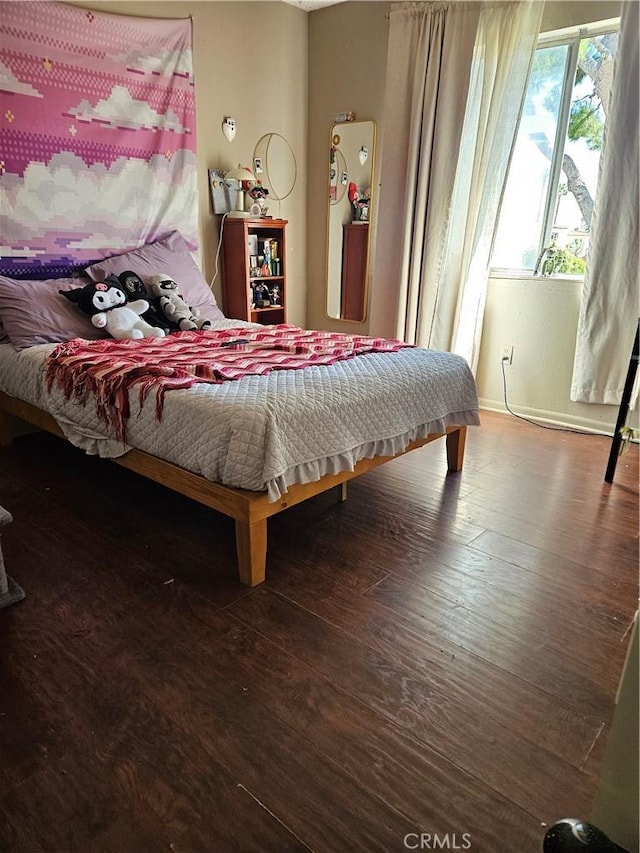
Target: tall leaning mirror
(351, 171)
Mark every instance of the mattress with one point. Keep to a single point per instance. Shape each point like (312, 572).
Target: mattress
(269, 432)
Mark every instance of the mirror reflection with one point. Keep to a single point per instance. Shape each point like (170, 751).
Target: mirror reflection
(351, 169)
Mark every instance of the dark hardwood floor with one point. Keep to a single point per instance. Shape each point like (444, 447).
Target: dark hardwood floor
(436, 655)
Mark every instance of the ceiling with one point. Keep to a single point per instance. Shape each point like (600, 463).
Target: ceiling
(311, 5)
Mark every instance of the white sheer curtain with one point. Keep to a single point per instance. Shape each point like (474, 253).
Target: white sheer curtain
(609, 307)
(456, 77)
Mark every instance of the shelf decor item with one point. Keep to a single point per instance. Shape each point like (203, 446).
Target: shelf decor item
(241, 176)
(275, 295)
(261, 296)
(257, 199)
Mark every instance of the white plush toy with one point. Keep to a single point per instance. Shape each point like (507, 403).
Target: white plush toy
(173, 306)
(106, 304)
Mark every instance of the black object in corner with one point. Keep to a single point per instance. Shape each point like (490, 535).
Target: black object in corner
(575, 836)
(624, 409)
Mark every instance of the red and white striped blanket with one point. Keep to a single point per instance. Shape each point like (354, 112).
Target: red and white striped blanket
(109, 368)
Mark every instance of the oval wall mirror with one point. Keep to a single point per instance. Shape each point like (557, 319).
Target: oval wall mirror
(351, 171)
(275, 165)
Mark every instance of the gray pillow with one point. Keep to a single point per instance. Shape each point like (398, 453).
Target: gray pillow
(33, 312)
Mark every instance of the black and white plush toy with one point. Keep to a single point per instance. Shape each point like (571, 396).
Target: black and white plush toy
(173, 306)
(105, 302)
(135, 289)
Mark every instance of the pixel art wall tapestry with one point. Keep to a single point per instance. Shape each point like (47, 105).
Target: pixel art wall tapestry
(97, 135)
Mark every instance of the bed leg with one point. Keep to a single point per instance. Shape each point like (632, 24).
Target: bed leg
(455, 449)
(251, 547)
(342, 492)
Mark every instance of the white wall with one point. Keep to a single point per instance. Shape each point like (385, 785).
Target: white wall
(539, 317)
(559, 14)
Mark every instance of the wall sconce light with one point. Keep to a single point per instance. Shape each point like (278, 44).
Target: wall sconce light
(229, 128)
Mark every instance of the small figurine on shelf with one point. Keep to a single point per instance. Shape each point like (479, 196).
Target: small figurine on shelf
(361, 210)
(275, 295)
(258, 194)
(261, 295)
(360, 203)
(265, 270)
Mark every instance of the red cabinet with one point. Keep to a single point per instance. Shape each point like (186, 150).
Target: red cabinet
(355, 246)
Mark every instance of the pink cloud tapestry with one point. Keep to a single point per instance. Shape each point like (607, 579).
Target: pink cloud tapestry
(97, 136)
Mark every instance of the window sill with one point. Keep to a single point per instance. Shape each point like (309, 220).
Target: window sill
(522, 275)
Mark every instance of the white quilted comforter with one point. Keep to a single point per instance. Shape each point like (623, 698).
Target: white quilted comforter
(268, 432)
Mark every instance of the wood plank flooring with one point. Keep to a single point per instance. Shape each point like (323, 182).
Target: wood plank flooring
(436, 655)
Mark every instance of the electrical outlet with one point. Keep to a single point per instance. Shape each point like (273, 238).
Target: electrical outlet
(507, 354)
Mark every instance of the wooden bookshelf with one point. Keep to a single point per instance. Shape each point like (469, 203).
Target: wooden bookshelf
(238, 278)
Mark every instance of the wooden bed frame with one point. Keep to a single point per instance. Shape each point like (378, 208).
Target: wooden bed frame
(249, 509)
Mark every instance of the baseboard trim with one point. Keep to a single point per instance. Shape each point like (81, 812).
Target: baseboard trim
(557, 419)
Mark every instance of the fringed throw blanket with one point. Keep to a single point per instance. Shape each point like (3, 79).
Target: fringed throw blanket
(109, 368)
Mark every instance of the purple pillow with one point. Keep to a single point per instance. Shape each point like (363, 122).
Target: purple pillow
(33, 312)
(170, 255)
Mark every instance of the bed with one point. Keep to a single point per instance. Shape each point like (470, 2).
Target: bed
(248, 448)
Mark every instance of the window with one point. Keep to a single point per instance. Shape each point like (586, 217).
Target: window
(546, 211)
